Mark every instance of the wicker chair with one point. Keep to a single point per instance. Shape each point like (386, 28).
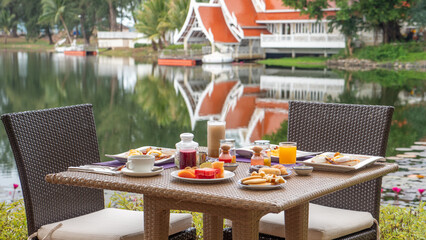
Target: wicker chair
(358, 129)
(48, 141)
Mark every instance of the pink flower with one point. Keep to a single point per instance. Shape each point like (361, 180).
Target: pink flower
(381, 190)
(421, 190)
(396, 190)
(15, 186)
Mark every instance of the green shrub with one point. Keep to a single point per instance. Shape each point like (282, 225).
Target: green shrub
(403, 223)
(410, 51)
(139, 45)
(13, 223)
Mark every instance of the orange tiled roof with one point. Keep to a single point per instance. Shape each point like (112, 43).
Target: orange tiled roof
(272, 16)
(270, 124)
(212, 104)
(240, 116)
(244, 12)
(212, 18)
(279, 5)
(254, 32)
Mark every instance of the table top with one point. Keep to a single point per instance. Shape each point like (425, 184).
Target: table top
(298, 189)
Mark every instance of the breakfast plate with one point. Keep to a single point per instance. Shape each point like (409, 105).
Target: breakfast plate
(247, 152)
(166, 154)
(260, 187)
(357, 162)
(228, 175)
(155, 171)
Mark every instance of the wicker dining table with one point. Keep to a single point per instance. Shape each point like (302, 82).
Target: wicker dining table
(225, 199)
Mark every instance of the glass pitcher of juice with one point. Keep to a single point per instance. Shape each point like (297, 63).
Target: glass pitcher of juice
(187, 151)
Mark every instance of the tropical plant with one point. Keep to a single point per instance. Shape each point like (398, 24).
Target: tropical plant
(13, 223)
(55, 11)
(7, 21)
(150, 18)
(178, 9)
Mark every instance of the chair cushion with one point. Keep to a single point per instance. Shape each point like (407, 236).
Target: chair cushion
(110, 224)
(324, 222)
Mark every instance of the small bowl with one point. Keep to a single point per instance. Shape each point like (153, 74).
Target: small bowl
(303, 170)
(230, 166)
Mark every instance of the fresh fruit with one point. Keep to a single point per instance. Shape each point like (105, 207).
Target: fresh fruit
(186, 173)
(219, 165)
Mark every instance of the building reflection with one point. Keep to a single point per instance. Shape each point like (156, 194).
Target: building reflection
(251, 99)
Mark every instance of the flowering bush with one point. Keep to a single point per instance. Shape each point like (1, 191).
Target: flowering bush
(13, 223)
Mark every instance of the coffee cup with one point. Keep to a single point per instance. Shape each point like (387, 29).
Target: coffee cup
(140, 163)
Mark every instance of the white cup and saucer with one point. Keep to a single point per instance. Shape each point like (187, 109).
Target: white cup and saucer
(141, 166)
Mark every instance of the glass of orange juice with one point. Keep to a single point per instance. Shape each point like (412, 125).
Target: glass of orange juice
(287, 152)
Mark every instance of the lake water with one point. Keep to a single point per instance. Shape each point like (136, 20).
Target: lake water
(138, 104)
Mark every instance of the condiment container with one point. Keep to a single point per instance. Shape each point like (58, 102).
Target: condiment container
(266, 151)
(228, 143)
(257, 158)
(187, 151)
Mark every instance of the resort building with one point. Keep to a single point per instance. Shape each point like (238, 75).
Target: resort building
(253, 28)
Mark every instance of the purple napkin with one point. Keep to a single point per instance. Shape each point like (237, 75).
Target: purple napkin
(247, 160)
(116, 163)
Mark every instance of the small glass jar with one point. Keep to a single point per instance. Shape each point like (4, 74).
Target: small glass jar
(230, 156)
(187, 151)
(257, 158)
(266, 151)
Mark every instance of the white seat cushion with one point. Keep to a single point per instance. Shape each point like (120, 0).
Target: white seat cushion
(110, 224)
(324, 222)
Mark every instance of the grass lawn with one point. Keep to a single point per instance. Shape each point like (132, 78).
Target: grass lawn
(299, 62)
(21, 43)
(142, 54)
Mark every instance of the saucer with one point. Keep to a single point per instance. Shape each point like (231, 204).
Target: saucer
(155, 171)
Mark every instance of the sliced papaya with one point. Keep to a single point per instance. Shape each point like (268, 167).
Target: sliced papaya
(185, 173)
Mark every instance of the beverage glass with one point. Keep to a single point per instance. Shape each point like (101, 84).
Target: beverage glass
(215, 132)
(140, 163)
(287, 152)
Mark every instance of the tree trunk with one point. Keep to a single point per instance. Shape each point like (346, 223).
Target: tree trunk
(160, 43)
(49, 35)
(385, 33)
(154, 45)
(14, 32)
(112, 17)
(349, 45)
(83, 28)
(66, 29)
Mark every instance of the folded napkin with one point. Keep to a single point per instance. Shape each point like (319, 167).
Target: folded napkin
(116, 163)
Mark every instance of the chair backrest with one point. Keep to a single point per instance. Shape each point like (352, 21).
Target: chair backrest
(49, 141)
(344, 128)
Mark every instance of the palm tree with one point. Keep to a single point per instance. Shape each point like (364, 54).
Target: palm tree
(55, 11)
(149, 18)
(7, 21)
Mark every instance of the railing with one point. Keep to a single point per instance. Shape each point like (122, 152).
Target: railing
(303, 41)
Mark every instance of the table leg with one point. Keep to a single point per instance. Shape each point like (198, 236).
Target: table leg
(212, 226)
(296, 222)
(246, 226)
(156, 219)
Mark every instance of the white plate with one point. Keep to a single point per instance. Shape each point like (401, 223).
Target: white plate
(247, 152)
(228, 175)
(122, 157)
(365, 161)
(289, 171)
(260, 187)
(155, 171)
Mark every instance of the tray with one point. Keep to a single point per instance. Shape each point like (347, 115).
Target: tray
(365, 161)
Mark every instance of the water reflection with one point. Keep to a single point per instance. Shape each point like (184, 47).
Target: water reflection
(143, 104)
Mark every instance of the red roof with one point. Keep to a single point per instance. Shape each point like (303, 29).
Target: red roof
(254, 32)
(275, 16)
(212, 104)
(279, 5)
(244, 12)
(240, 116)
(212, 18)
(270, 124)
